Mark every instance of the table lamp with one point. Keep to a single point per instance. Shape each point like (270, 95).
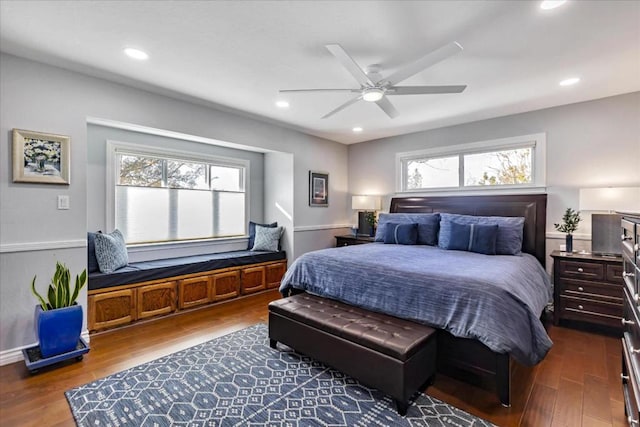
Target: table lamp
(364, 204)
(605, 227)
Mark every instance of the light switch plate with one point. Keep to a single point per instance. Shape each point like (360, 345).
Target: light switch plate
(63, 202)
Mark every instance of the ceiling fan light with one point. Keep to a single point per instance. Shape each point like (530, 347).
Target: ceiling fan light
(373, 94)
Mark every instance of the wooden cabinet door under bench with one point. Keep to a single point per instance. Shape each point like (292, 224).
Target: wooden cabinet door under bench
(123, 305)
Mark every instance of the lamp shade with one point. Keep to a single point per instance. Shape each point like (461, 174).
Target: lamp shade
(365, 203)
(621, 199)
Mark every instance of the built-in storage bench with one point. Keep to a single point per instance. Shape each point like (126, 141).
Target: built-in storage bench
(155, 288)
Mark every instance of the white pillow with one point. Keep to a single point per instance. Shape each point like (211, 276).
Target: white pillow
(267, 238)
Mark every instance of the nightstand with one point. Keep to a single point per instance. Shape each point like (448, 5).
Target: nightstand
(349, 239)
(587, 288)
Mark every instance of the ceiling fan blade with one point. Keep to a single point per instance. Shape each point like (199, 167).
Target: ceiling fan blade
(319, 90)
(387, 107)
(342, 107)
(348, 63)
(420, 90)
(426, 61)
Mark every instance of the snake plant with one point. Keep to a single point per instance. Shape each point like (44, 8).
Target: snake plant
(59, 293)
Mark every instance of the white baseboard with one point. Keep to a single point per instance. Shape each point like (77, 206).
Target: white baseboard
(14, 355)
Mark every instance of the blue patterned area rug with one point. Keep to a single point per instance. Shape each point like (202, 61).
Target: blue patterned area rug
(237, 380)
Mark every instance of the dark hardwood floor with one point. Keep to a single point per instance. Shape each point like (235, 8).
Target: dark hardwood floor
(577, 384)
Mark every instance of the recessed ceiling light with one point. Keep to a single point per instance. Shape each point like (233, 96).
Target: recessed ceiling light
(136, 54)
(569, 81)
(551, 4)
(357, 129)
(282, 104)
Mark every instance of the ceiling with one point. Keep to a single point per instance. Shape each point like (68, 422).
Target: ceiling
(238, 54)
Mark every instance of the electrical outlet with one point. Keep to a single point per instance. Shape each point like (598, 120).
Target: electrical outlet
(63, 202)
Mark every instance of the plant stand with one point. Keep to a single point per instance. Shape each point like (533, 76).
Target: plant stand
(34, 360)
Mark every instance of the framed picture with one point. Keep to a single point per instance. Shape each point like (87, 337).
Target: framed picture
(318, 189)
(40, 157)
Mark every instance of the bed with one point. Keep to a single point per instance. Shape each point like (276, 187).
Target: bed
(486, 320)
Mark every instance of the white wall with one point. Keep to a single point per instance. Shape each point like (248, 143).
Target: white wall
(40, 97)
(589, 144)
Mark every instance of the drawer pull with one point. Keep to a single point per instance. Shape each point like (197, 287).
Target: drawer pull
(625, 274)
(580, 270)
(623, 237)
(636, 298)
(634, 350)
(581, 307)
(624, 377)
(580, 288)
(628, 322)
(632, 421)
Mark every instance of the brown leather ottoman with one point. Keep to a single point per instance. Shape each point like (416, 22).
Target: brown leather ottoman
(393, 355)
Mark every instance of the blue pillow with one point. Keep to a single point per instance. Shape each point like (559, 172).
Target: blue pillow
(252, 232)
(267, 238)
(92, 261)
(428, 225)
(111, 251)
(473, 238)
(510, 230)
(401, 234)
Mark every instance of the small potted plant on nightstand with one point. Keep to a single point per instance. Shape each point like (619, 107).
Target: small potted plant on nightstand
(58, 320)
(371, 219)
(570, 221)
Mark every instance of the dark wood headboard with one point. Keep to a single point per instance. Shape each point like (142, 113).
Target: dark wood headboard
(533, 207)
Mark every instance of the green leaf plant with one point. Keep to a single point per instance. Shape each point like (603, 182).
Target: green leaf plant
(570, 221)
(59, 293)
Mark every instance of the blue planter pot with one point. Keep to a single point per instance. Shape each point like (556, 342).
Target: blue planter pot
(58, 330)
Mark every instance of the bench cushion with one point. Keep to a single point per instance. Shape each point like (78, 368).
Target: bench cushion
(389, 335)
(138, 272)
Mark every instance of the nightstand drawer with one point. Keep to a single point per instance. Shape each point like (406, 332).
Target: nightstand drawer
(584, 289)
(581, 270)
(614, 273)
(588, 310)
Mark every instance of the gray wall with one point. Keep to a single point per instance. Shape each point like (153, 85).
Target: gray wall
(97, 137)
(279, 197)
(589, 144)
(33, 232)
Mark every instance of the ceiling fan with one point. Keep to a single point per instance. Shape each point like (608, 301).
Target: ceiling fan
(375, 88)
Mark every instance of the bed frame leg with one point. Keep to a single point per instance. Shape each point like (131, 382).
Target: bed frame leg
(273, 343)
(402, 407)
(503, 379)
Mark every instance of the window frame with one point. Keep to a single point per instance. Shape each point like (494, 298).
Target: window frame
(536, 141)
(115, 148)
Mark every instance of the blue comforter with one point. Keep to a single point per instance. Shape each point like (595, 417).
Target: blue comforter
(494, 299)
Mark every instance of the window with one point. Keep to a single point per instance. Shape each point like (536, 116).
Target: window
(163, 196)
(504, 163)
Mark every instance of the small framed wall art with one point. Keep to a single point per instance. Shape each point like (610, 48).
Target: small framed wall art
(318, 189)
(40, 157)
